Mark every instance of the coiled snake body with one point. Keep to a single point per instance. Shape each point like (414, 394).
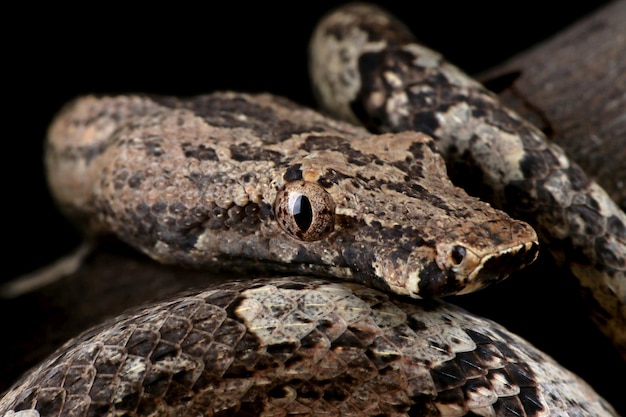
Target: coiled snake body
(258, 182)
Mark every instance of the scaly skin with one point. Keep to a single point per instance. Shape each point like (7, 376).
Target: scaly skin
(214, 180)
(298, 345)
(368, 68)
(198, 182)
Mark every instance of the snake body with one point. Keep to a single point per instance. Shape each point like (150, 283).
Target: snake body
(256, 182)
(368, 68)
(301, 346)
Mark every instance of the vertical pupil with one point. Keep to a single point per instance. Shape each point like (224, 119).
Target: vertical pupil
(302, 212)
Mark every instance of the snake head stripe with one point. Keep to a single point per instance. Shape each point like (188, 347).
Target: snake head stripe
(231, 179)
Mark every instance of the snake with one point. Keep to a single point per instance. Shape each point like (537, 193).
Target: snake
(368, 68)
(363, 232)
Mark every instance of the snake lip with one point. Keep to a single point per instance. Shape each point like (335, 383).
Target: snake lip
(496, 267)
(477, 270)
(470, 274)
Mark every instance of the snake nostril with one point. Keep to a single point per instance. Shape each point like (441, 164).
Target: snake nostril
(458, 254)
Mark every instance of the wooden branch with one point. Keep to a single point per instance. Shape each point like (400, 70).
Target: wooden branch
(574, 87)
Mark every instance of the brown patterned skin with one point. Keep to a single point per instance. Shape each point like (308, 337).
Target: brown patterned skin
(234, 180)
(304, 346)
(211, 181)
(368, 68)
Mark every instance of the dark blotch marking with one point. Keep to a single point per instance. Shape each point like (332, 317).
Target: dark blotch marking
(470, 365)
(247, 409)
(153, 146)
(266, 362)
(339, 144)
(592, 220)
(200, 152)
(293, 173)
(508, 406)
(520, 373)
(156, 384)
(282, 350)
(447, 376)
(531, 401)
(278, 392)
(425, 122)
(50, 402)
(380, 345)
(417, 149)
(509, 341)
(609, 256)
(416, 325)
(223, 299)
(234, 304)
(423, 405)
(131, 401)
(478, 338)
(245, 152)
(436, 282)
(577, 177)
(437, 78)
(136, 179)
(164, 350)
(86, 153)
(369, 66)
(310, 392)
(141, 343)
(359, 260)
(331, 177)
(341, 388)
(174, 329)
(414, 190)
(347, 340)
(616, 227)
(221, 111)
(422, 99)
(452, 396)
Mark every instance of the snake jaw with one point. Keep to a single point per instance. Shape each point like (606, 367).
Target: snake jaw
(459, 263)
(476, 271)
(495, 267)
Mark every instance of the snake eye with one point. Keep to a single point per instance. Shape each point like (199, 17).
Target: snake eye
(305, 210)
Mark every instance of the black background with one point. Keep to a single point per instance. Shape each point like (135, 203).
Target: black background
(51, 56)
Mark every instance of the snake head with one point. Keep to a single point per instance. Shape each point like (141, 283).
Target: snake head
(258, 182)
(393, 220)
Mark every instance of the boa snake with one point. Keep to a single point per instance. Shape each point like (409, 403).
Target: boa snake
(330, 139)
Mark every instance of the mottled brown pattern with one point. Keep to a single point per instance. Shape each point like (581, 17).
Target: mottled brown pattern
(211, 181)
(196, 182)
(303, 346)
(367, 67)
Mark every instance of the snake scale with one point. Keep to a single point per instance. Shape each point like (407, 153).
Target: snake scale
(215, 179)
(368, 68)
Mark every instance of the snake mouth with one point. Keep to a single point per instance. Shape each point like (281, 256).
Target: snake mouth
(498, 266)
(459, 270)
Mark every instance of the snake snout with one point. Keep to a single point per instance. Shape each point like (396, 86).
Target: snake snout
(473, 265)
(499, 265)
